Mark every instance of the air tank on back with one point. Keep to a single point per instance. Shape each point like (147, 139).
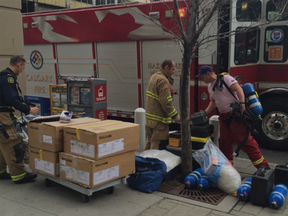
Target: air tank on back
(253, 100)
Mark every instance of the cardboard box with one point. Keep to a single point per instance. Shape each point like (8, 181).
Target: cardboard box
(90, 173)
(51, 133)
(33, 128)
(102, 139)
(44, 161)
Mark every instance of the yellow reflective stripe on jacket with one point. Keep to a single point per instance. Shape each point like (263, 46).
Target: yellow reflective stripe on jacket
(152, 95)
(18, 177)
(169, 98)
(258, 161)
(158, 118)
(173, 113)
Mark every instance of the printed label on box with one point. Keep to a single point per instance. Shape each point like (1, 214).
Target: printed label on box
(71, 173)
(62, 165)
(84, 177)
(110, 147)
(81, 148)
(47, 139)
(77, 175)
(105, 175)
(44, 166)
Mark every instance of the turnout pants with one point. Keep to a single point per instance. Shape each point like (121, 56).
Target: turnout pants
(155, 135)
(11, 149)
(235, 132)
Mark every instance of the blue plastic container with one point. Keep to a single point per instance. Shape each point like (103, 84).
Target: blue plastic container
(278, 196)
(253, 100)
(243, 192)
(190, 180)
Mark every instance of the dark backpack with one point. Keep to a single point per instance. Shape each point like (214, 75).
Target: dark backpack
(149, 174)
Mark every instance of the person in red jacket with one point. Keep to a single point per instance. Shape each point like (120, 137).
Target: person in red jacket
(231, 130)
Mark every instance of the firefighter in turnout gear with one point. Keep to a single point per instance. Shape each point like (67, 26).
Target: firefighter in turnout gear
(11, 149)
(159, 108)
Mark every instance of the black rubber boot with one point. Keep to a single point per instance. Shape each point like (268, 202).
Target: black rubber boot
(5, 175)
(29, 177)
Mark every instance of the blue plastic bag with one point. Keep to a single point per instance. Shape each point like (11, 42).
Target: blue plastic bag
(218, 168)
(149, 174)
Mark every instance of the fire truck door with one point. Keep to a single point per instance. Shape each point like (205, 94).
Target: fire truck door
(117, 62)
(75, 60)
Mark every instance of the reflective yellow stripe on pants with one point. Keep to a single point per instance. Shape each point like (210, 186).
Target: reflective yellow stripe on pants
(18, 177)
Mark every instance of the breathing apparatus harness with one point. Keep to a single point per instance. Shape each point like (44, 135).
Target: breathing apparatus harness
(248, 118)
(16, 123)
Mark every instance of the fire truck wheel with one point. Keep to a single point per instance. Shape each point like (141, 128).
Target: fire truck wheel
(273, 131)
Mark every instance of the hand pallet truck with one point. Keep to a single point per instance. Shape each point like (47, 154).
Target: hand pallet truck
(86, 192)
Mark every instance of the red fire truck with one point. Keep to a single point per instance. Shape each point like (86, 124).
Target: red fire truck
(125, 44)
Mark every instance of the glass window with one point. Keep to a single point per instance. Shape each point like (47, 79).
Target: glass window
(274, 10)
(110, 1)
(248, 10)
(276, 45)
(246, 46)
(100, 2)
(85, 1)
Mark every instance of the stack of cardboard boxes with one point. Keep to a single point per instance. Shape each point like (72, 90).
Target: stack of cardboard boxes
(46, 141)
(95, 152)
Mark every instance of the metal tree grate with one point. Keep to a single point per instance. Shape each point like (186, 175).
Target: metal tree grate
(212, 196)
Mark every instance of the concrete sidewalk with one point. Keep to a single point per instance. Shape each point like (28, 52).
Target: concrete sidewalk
(36, 199)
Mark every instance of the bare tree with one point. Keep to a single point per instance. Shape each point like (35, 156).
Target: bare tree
(199, 15)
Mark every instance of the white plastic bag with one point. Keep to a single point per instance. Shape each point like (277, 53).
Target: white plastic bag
(218, 168)
(169, 159)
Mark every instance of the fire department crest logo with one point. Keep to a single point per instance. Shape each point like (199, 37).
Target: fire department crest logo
(277, 35)
(204, 96)
(36, 59)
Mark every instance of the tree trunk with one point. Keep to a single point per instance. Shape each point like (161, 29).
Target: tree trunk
(186, 153)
